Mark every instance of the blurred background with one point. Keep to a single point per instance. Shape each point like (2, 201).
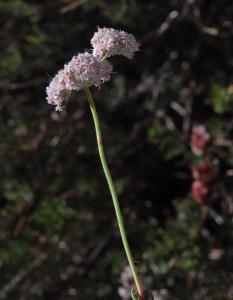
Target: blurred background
(167, 127)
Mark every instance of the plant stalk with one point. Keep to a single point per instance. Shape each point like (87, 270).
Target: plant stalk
(113, 193)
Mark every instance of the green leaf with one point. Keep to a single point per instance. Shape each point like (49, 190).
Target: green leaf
(222, 100)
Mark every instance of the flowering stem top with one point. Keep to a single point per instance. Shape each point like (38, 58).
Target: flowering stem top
(86, 69)
(83, 71)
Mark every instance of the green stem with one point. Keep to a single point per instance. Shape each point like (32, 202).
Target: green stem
(113, 192)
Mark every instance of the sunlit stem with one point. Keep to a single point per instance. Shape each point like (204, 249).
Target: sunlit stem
(113, 193)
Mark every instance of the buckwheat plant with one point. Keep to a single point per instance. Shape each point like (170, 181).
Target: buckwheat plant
(82, 72)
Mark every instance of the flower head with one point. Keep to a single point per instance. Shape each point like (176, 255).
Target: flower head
(200, 139)
(126, 281)
(84, 70)
(203, 172)
(59, 89)
(200, 191)
(113, 42)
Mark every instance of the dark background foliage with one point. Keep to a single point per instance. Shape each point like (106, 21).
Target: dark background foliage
(58, 232)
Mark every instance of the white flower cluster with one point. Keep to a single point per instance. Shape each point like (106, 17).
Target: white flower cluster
(113, 42)
(86, 69)
(127, 284)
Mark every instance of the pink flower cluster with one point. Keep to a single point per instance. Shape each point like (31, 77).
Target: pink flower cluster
(203, 172)
(203, 175)
(126, 281)
(113, 42)
(200, 139)
(86, 69)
